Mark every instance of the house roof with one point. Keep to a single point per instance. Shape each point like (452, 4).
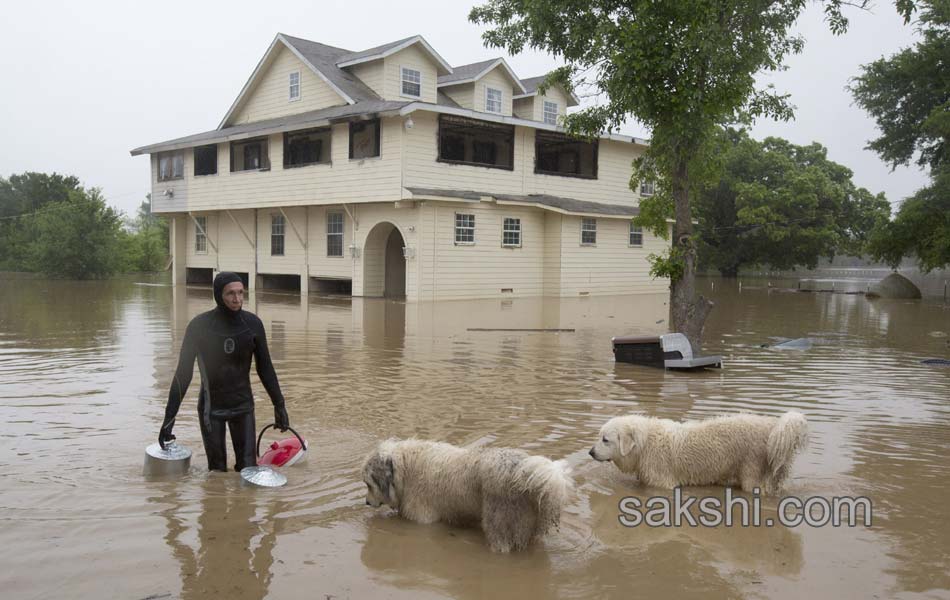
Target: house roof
(314, 118)
(531, 84)
(570, 206)
(324, 58)
(321, 59)
(349, 59)
(475, 71)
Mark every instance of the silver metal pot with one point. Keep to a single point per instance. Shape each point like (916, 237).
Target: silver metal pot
(175, 459)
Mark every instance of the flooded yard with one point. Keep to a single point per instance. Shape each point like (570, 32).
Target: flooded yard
(84, 375)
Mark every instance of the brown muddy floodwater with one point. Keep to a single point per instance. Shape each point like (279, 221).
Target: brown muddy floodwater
(84, 373)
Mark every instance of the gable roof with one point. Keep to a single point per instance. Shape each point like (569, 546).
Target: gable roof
(474, 71)
(531, 84)
(321, 59)
(348, 59)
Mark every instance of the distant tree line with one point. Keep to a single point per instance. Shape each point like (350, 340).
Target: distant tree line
(781, 205)
(51, 224)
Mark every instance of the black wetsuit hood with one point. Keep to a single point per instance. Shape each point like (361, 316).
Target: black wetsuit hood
(222, 279)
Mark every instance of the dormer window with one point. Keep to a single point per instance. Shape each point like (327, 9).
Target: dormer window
(492, 100)
(411, 83)
(550, 112)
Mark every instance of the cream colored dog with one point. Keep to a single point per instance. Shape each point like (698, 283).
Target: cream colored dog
(752, 451)
(513, 496)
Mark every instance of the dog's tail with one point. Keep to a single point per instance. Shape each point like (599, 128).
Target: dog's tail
(549, 484)
(787, 438)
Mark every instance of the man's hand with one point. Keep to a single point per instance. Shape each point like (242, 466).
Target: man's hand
(165, 434)
(281, 420)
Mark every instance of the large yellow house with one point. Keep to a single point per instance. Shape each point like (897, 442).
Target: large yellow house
(388, 172)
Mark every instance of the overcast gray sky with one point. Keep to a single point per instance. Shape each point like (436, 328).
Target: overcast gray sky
(85, 82)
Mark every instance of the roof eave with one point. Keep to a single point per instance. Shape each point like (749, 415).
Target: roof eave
(467, 112)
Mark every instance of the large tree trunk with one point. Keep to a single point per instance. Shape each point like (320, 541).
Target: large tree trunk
(687, 311)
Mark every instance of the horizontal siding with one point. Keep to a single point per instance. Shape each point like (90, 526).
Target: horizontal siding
(294, 259)
(412, 58)
(523, 108)
(236, 253)
(270, 97)
(464, 95)
(423, 170)
(610, 267)
(322, 265)
(372, 74)
(554, 94)
(482, 270)
(341, 181)
(496, 79)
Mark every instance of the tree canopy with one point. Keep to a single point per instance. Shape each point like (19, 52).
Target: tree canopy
(51, 224)
(908, 95)
(682, 68)
(782, 205)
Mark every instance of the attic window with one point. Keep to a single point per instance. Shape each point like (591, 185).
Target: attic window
(250, 155)
(411, 83)
(364, 139)
(294, 90)
(308, 147)
(473, 142)
(492, 100)
(550, 112)
(558, 154)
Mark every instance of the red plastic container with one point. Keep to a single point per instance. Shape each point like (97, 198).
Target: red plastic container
(282, 453)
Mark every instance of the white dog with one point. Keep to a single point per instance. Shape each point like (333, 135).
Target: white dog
(749, 450)
(513, 496)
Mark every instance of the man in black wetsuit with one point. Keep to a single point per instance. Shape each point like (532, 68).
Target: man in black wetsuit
(223, 340)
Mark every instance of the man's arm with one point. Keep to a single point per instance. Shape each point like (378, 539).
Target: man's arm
(180, 383)
(265, 370)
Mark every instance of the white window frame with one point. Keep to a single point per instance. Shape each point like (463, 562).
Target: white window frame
(331, 234)
(291, 87)
(638, 231)
(201, 223)
(588, 225)
(505, 229)
(545, 112)
(403, 81)
(463, 228)
(278, 219)
(647, 188)
(488, 100)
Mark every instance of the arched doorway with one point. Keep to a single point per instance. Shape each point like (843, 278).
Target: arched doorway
(384, 267)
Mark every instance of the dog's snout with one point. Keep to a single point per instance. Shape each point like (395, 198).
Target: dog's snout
(368, 502)
(592, 452)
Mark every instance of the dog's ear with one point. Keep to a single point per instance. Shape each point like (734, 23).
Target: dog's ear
(627, 441)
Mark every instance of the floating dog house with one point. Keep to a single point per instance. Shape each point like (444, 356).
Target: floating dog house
(670, 351)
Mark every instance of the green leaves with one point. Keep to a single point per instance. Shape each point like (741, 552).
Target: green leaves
(55, 226)
(782, 205)
(908, 95)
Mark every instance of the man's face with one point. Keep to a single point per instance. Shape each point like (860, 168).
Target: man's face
(233, 295)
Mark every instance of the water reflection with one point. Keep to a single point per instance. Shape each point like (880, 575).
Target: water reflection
(85, 370)
(233, 555)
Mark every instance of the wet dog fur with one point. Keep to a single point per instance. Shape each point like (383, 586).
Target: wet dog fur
(513, 496)
(751, 451)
